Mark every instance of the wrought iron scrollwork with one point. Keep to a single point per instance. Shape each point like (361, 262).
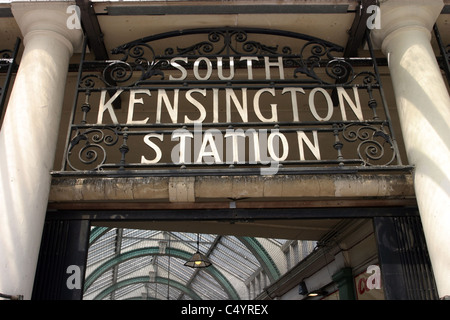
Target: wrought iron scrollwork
(311, 56)
(139, 56)
(91, 145)
(374, 143)
(225, 42)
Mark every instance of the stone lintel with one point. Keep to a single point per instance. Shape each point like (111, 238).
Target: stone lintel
(220, 188)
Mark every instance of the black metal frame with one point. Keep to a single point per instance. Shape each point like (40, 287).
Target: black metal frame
(403, 256)
(140, 66)
(7, 64)
(233, 214)
(445, 53)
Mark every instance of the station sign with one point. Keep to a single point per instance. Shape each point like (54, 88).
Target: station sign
(240, 101)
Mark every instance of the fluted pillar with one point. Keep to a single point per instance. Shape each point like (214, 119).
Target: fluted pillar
(423, 104)
(28, 138)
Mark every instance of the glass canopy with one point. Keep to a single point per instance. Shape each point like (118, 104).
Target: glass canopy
(128, 264)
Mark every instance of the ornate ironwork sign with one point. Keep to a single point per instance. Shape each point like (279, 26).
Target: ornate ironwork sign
(229, 101)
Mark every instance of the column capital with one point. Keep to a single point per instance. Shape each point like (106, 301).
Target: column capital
(400, 15)
(48, 17)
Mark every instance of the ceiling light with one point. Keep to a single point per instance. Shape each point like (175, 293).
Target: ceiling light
(303, 290)
(198, 260)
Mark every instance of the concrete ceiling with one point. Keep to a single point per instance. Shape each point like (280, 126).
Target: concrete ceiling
(120, 22)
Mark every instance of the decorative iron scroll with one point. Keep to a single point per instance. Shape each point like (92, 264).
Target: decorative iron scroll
(229, 101)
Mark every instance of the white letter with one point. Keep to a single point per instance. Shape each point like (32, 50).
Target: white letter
(215, 105)
(179, 67)
(178, 154)
(241, 108)
(220, 69)
(254, 153)
(278, 64)
(312, 105)
(249, 66)
(208, 138)
(313, 148)
(284, 141)
(133, 100)
(199, 106)
(294, 100)
(147, 141)
(272, 106)
(173, 110)
(235, 145)
(107, 106)
(356, 108)
(208, 66)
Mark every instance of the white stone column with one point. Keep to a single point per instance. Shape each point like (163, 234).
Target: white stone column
(28, 138)
(423, 104)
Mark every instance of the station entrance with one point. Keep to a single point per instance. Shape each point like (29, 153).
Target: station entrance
(269, 151)
(254, 255)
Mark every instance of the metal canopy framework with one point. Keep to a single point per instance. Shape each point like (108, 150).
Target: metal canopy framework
(149, 264)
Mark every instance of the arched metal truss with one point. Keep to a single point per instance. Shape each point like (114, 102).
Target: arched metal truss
(144, 280)
(221, 279)
(237, 261)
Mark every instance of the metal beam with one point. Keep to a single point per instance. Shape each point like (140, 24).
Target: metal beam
(233, 214)
(117, 251)
(358, 28)
(6, 13)
(264, 258)
(12, 65)
(445, 61)
(356, 33)
(94, 37)
(224, 9)
(92, 29)
(145, 279)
